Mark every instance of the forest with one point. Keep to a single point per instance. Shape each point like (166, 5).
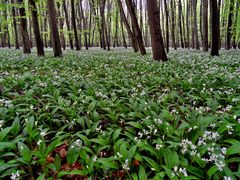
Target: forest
(119, 89)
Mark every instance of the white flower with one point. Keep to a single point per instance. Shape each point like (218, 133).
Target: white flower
(227, 178)
(43, 133)
(95, 159)
(158, 146)
(39, 142)
(126, 165)
(1, 124)
(15, 176)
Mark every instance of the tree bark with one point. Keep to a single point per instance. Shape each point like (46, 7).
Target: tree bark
(215, 27)
(24, 32)
(205, 25)
(73, 20)
(194, 4)
(68, 24)
(127, 25)
(54, 28)
(156, 36)
(36, 30)
(167, 25)
(229, 25)
(174, 45)
(138, 33)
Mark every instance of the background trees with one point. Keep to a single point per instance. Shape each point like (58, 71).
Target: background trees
(116, 23)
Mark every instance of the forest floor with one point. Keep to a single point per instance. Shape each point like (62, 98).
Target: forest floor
(95, 114)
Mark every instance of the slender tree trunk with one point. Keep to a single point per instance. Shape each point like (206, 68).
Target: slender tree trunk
(36, 30)
(167, 25)
(156, 36)
(229, 25)
(15, 26)
(123, 35)
(235, 26)
(127, 25)
(205, 25)
(138, 33)
(61, 25)
(84, 26)
(194, 4)
(68, 24)
(24, 32)
(173, 25)
(187, 24)
(54, 28)
(180, 22)
(215, 27)
(73, 19)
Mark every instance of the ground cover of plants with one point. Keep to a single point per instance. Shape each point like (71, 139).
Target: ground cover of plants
(119, 115)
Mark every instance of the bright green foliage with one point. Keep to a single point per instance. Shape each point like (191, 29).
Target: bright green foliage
(112, 114)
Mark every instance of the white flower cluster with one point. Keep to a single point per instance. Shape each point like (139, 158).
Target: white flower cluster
(15, 176)
(180, 171)
(230, 129)
(77, 143)
(1, 123)
(188, 146)
(216, 158)
(5, 103)
(126, 165)
(101, 95)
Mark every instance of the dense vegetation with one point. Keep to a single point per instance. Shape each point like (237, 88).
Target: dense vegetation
(119, 115)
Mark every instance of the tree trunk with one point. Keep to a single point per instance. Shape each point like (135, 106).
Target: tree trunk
(15, 26)
(215, 27)
(173, 25)
(167, 25)
(54, 28)
(156, 36)
(68, 24)
(229, 25)
(84, 25)
(24, 32)
(73, 20)
(205, 25)
(138, 33)
(194, 4)
(235, 26)
(127, 25)
(36, 30)
(180, 22)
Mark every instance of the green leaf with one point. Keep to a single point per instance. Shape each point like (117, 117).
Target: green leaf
(212, 171)
(171, 158)
(152, 163)
(234, 149)
(16, 126)
(4, 132)
(41, 177)
(25, 152)
(116, 134)
(142, 174)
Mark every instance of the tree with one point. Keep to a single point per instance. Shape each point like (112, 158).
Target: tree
(194, 4)
(205, 25)
(24, 31)
(127, 25)
(215, 27)
(73, 19)
(138, 33)
(68, 24)
(167, 24)
(54, 28)
(156, 36)
(37, 34)
(15, 26)
(229, 25)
